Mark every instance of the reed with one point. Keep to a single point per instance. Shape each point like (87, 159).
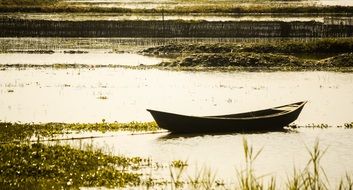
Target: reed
(313, 177)
(246, 177)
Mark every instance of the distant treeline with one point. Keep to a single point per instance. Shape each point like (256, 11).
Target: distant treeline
(170, 28)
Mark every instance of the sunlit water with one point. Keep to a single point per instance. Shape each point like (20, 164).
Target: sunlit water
(90, 95)
(119, 94)
(223, 154)
(101, 58)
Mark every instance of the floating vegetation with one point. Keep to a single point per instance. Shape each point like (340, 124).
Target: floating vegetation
(348, 125)
(24, 132)
(323, 126)
(179, 163)
(39, 51)
(102, 97)
(39, 166)
(75, 51)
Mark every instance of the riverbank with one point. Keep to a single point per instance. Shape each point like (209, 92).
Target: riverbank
(43, 165)
(321, 54)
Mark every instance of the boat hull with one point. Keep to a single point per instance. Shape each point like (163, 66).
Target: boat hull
(273, 121)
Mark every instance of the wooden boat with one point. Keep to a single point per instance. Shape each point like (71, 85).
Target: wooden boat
(262, 120)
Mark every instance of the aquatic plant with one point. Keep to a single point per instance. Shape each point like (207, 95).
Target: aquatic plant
(28, 2)
(24, 131)
(102, 97)
(241, 59)
(318, 46)
(313, 177)
(175, 176)
(346, 183)
(246, 177)
(342, 60)
(39, 166)
(179, 163)
(348, 125)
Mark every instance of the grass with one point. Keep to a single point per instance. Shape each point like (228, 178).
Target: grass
(242, 59)
(312, 177)
(246, 177)
(319, 46)
(283, 54)
(39, 166)
(28, 2)
(25, 131)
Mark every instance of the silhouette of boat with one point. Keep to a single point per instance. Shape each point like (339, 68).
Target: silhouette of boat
(271, 119)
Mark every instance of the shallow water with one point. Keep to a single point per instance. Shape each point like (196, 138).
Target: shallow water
(223, 154)
(92, 58)
(118, 94)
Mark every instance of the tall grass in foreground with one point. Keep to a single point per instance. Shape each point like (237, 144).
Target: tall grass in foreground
(312, 177)
(246, 177)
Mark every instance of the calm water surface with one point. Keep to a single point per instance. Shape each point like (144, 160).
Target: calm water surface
(119, 94)
(92, 58)
(90, 95)
(223, 154)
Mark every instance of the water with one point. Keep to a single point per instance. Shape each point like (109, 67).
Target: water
(90, 95)
(92, 58)
(120, 94)
(223, 154)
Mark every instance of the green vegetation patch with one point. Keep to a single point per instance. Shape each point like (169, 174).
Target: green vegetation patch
(39, 166)
(28, 2)
(319, 46)
(24, 132)
(242, 59)
(180, 48)
(343, 60)
(321, 54)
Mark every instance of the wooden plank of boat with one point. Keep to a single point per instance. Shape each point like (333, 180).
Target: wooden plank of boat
(262, 120)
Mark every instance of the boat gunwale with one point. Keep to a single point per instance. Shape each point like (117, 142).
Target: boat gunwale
(284, 112)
